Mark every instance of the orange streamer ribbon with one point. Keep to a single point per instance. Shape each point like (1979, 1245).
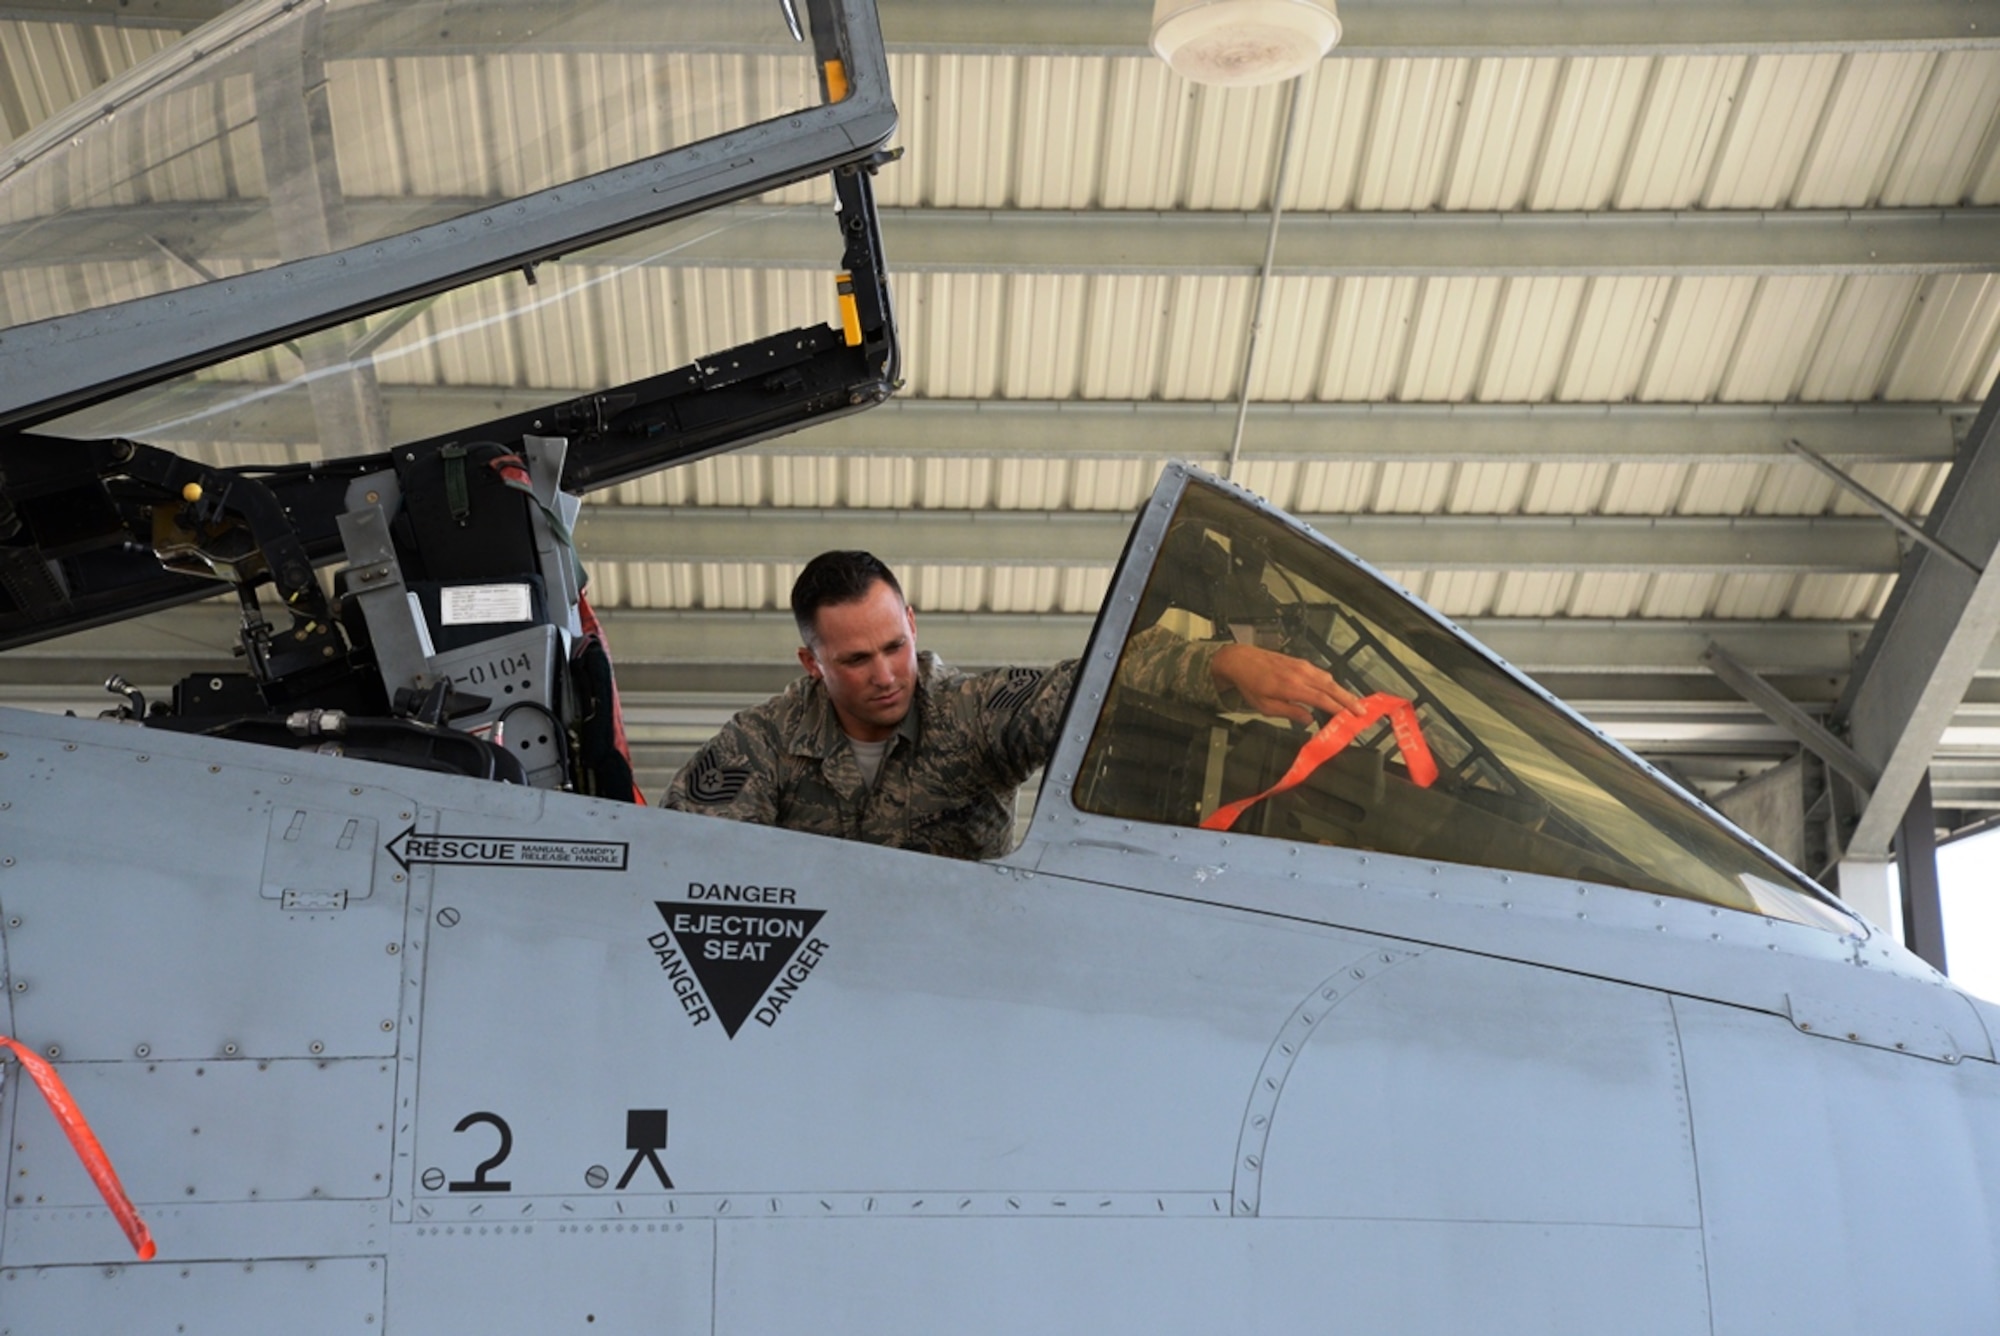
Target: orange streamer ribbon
(95, 1162)
(1331, 740)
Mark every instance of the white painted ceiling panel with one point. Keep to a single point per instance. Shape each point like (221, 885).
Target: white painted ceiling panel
(1298, 319)
(1839, 597)
(1865, 120)
(1198, 359)
(1125, 338)
(1533, 593)
(1644, 489)
(1412, 488)
(1599, 594)
(1694, 342)
(1232, 161)
(1448, 340)
(1150, 112)
(1597, 101)
(1850, 362)
(1459, 594)
(1786, 320)
(951, 333)
(1614, 337)
(1949, 134)
(1043, 319)
(1364, 355)
(1530, 339)
(1685, 116)
(1333, 487)
(1120, 485)
(1948, 340)
(1507, 104)
(1776, 118)
(1063, 101)
(1752, 597)
(1567, 488)
(1488, 489)
(1332, 136)
(1719, 489)
(1417, 113)
(1680, 594)
(1791, 488)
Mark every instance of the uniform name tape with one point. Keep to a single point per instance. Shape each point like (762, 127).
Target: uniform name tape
(1331, 740)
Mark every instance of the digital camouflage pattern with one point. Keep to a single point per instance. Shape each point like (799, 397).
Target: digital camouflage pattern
(952, 768)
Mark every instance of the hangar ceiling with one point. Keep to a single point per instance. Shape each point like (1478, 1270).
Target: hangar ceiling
(1560, 313)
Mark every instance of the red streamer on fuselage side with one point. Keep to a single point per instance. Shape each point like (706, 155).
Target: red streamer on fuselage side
(84, 1141)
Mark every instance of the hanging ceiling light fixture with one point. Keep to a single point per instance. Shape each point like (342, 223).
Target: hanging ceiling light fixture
(1238, 43)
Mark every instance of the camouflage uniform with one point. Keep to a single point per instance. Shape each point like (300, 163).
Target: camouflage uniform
(951, 769)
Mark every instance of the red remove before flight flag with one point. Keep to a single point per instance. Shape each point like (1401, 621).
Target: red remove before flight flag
(1324, 745)
(95, 1162)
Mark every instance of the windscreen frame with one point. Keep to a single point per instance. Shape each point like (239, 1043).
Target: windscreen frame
(1058, 817)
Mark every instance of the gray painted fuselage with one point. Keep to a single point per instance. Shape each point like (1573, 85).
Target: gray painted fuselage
(1128, 1079)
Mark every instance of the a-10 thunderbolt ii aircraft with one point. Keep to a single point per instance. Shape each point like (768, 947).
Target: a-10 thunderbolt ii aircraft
(1457, 1019)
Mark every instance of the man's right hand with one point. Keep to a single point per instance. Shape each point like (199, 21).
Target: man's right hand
(1278, 684)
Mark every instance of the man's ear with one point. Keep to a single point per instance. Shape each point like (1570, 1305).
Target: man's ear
(910, 614)
(807, 661)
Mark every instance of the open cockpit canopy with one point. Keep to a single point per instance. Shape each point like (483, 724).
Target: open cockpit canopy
(309, 235)
(379, 290)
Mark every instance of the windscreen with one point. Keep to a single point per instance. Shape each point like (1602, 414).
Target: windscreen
(286, 131)
(1520, 783)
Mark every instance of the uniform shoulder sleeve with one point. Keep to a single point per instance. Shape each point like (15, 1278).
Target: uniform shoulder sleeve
(1013, 715)
(1160, 662)
(737, 775)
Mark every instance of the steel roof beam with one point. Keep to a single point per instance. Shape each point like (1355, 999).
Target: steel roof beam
(1900, 433)
(1407, 542)
(692, 641)
(1512, 244)
(1113, 241)
(1328, 433)
(1938, 627)
(178, 14)
(1451, 27)
(1119, 27)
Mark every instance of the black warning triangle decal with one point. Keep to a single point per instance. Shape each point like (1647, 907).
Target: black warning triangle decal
(736, 951)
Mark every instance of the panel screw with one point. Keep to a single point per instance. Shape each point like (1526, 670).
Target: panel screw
(229, 1050)
(53, 1050)
(143, 1051)
(388, 1026)
(315, 1048)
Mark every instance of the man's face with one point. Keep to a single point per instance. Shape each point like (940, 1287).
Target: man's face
(866, 654)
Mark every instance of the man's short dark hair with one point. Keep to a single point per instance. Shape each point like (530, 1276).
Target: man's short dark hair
(833, 578)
